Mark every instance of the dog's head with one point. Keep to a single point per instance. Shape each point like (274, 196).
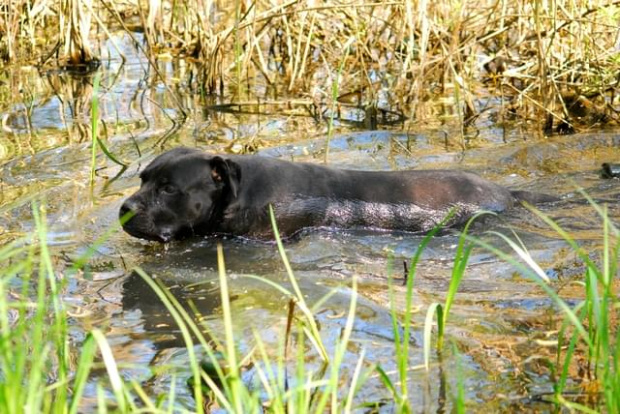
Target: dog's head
(182, 190)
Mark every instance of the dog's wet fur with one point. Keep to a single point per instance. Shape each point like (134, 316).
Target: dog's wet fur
(187, 192)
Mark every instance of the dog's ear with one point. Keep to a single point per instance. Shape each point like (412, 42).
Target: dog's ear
(226, 172)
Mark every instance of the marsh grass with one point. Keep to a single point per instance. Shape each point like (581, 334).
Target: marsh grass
(36, 371)
(302, 391)
(556, 59)
(96, 141)
(42, 369)
(461, 258)
(402, 342)
(598, 314)
(590, 327)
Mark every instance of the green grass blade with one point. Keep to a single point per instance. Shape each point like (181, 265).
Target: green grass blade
(110, 364)
(459, 403)
(187, 338)
(233, 378)
(109, 154)
(583, 255)
(85, 363)
(428, 329)
(301, 303)
(530, 274)
(385, 378)
(356, 382)
(524, 255)
(94, 125)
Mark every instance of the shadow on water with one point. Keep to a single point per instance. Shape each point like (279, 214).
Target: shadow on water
(138, 296)
(495, 322)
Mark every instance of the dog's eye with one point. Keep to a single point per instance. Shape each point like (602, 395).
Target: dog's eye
(168, 189)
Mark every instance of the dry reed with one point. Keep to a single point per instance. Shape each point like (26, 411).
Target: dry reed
(553, 60)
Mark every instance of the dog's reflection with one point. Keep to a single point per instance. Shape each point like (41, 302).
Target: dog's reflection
(198, 300)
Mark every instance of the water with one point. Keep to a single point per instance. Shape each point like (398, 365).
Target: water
(495, 323)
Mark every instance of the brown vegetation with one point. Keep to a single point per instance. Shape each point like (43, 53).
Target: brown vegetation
(541, 59)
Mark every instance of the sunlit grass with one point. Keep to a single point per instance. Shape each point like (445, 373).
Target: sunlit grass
(36, 369)
(543, 52)
(96, 141)
(34, 345)
(591, 325)
(461, 258)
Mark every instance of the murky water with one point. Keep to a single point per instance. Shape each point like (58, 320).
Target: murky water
(498, 316)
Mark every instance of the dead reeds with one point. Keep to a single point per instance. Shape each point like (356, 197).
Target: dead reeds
(551, 60)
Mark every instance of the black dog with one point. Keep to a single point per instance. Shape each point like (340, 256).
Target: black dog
(187, 192)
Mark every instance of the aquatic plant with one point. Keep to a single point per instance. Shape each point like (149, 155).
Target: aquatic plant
(43, 369)
(589, 326)
(36, 371)
(553, 59)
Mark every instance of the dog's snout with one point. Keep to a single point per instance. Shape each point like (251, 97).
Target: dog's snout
(130, 207)
(166, 234)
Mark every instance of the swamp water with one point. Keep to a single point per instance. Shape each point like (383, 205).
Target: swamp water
(501, 323)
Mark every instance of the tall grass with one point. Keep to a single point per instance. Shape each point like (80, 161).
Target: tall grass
(545, 55)
(335, 92)
(402, 343)
(310, 392)
(461, 258)
(96, 141)
(37, 373)
(599, 314)
(591, 325)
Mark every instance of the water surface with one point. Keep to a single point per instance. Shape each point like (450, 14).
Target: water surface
(499, 317)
